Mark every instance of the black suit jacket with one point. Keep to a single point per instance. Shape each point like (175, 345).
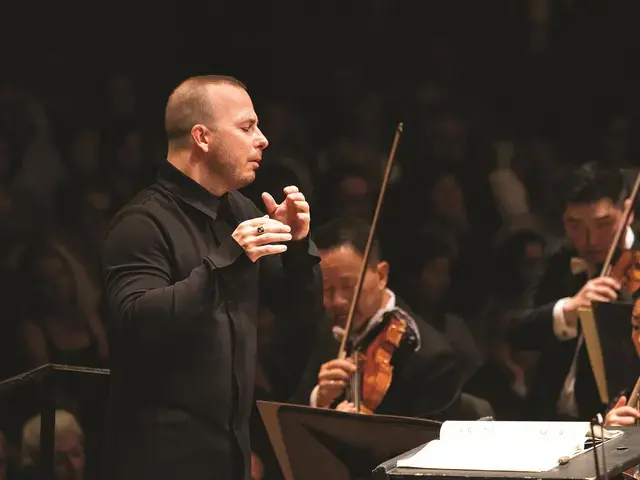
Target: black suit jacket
(532, 329)
(425, 383)
(183, 308)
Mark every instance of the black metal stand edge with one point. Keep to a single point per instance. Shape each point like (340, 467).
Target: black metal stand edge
(46, 375)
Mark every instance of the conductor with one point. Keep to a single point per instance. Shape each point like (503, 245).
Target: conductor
(184, 266)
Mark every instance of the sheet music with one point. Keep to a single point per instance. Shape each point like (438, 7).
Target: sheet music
(503, 446)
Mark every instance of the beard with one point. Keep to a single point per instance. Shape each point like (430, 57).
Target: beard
(232, 169)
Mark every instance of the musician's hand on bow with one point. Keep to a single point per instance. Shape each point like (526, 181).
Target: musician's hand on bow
(346, 406)
(600, 289)
(621, 414)
(293, 211)
(257, 236)
(333, 378)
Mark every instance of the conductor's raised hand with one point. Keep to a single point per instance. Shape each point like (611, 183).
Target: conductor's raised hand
(258, 236)
(293, 211)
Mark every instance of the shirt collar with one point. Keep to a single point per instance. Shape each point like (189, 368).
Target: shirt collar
(376, 319)
(379, 315)
(190, 191)
(629, 239)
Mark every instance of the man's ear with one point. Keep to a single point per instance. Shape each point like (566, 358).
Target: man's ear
(383, 274)
(200, 137)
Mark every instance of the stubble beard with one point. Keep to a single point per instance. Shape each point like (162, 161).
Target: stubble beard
(233, 171)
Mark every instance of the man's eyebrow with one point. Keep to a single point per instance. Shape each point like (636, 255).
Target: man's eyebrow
(249, 120)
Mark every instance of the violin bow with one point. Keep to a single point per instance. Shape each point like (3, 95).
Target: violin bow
(342, 353)
(606, 268)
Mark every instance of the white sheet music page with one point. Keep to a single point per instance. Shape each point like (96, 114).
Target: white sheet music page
(502, 446)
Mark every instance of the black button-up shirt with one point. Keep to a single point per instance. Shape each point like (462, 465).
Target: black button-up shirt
(182, 300)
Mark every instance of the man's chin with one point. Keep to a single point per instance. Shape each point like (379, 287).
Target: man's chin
(341, 322)
(338, 321)
(246, 180)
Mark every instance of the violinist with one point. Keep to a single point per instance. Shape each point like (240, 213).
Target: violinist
(564, 387)
(426, 376)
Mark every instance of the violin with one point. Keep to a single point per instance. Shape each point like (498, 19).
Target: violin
(373, 357)
(376, 355)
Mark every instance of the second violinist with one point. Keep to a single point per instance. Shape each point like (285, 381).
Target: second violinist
(427, 378)
(564, 387)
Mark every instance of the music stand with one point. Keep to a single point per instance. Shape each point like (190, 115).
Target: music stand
(317, 444)
(622, 453)
(607, 335)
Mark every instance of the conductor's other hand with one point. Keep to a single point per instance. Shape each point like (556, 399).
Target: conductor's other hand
(601, 289)
(333, 378)
(257, 236)
(621, 414)
(293, 211)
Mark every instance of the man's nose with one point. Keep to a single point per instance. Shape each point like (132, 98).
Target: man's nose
(340, 300)
(335, 302)
(262, 141)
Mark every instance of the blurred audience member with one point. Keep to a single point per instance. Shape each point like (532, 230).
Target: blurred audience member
(55, 329)
(36, 167)
(69, 455)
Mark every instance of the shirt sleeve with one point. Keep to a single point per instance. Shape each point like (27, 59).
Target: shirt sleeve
(313, 398)
(140, 294)
(561, 329)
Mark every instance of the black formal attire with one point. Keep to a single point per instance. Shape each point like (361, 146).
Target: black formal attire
(532, 329)
(427, 380)
(182, 299)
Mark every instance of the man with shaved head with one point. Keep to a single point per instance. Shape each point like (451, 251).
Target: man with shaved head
(184, 265)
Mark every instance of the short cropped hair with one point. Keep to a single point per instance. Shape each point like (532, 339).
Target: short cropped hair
(591, 183)
(347, 232)
(189, 105)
